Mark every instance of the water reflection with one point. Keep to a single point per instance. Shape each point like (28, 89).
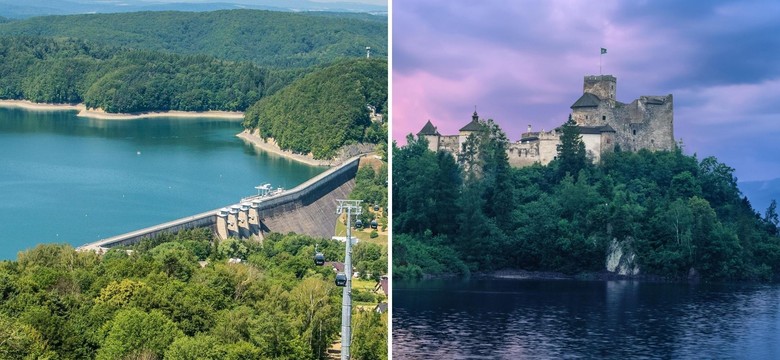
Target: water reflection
(515, 319)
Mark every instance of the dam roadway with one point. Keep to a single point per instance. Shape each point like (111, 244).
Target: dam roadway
(309, 209)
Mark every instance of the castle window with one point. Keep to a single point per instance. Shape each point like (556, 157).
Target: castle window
(587, 117)
(634, 131)
(603, 117)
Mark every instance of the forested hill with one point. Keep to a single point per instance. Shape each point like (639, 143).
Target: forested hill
(680, 215)
(325, 109)
(73, 71)
(159, 302)
(266, 38)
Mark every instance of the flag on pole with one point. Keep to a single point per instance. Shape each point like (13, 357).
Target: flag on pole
(603, 51)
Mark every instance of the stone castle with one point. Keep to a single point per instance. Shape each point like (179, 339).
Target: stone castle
(604, 123)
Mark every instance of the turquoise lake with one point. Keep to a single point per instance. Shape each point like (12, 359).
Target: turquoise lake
(66, 179)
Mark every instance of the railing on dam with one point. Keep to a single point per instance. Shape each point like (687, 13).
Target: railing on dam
(297, 197)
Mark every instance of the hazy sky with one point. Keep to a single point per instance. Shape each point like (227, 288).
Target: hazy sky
(523, 62)
(370, 2)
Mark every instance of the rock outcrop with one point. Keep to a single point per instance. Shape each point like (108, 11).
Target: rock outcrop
(621, 258)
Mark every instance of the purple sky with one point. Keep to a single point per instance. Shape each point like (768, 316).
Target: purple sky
(523, 62)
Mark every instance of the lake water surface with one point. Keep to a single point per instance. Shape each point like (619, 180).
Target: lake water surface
(75, 180)
(554, 319)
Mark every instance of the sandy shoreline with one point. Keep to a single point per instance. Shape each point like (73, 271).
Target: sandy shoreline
(271, 147)
(100, 114)
(29, 105)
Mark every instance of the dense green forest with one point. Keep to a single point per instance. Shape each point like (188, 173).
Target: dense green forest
(74, 71)
(221, 60)
(371, 187)
(158, 302)
(325, 109)
(676, 212)
(189, 61)
(266, 38)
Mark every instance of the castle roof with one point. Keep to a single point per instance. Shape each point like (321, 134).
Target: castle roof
(474, 124)
(428, 129)
(595, 129)
(586, 100)
(607, 128)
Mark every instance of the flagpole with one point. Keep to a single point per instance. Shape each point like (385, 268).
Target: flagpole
(601, 55)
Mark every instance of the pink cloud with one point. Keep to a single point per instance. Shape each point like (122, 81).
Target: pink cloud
(523, 62)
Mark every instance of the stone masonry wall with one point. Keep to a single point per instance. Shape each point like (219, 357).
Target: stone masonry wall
(603, 86)
(523, 154)
(645, 123)
(450, 144)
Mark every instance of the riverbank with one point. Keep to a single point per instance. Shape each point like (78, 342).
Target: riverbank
(83, 111)
(271, 147)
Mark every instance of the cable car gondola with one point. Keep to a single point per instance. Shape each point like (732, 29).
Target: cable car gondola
(376, 207)
(319, 259)
(374, 224)
(358, 224)
(341, 279)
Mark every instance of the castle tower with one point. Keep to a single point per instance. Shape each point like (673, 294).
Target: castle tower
(431, 134)
(467, 130)
(595, 106)
(603, 86)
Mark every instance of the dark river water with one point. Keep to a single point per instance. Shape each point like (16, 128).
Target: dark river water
(554, 319)
(74, 180)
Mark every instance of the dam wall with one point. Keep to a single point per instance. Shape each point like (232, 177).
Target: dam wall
(309, 209)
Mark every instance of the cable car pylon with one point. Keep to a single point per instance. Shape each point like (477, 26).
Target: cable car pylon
(350, 208)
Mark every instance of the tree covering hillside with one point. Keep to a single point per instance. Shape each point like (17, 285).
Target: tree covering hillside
(266, 38)
(325, 109)
(222, 60)
(74, 71)
(159, 303)
(676, 212)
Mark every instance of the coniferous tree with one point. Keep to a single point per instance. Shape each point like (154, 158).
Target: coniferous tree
(495, 168)
(571, 150)
(771, 217)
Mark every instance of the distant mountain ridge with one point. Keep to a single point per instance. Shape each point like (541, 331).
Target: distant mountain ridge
(30, 8)
(274, 39)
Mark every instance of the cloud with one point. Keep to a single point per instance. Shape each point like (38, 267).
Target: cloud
(522, 62)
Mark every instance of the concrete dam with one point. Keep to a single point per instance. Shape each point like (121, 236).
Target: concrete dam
(309, 208)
